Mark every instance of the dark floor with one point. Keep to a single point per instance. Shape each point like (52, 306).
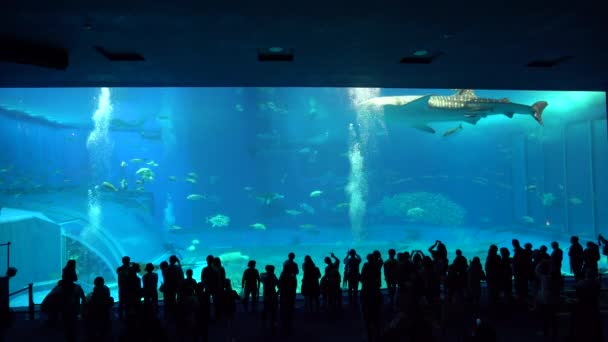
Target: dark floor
(448, 322)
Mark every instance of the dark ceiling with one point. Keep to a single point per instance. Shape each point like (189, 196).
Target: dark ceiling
(482, 44)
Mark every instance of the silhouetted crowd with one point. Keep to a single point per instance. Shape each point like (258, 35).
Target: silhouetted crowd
(521, 278)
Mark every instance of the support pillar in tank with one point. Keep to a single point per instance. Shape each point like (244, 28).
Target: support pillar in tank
(565, 178)
(592, 177)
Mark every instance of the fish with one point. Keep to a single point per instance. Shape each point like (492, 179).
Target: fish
(452, 130)
(192, 175)
(191, 180)
(531, 187)
(175, 227)
(123, 184)
(258, 226)
(195, 242)
(172, 178)
(218, 220)
(576, 201)
(191, 248)
(418, 111)
(304, 150)
(195, 197)
(123, 164)
(527, 219)
(233, 256)
(293, 212)
(307, 226)
(109, 186)
(239, 108)
(316, 193)
(270, 197)
(307, 208)
(248, 188)
(139, 182)
(152, 163)
(137, 160)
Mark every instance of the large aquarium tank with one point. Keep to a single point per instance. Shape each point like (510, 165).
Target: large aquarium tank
(93, 174)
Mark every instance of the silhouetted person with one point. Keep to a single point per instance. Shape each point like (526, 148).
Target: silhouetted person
(371, 298)
(123, 272)
(150, 289)
(575, 253)
(290, 269)
(493, 273)
(520, 271)
(333, 279)
(378, 263)
(506, 274)
(187, 307)
(391, 275)
(287, 299)
(173, 281)
(475, 276)
(164, 266)
(439, 253)
(251, 286)
(586, 320)
(591, 256)
(134, 292)
(203, 312)
(547, 297)
(352, 275)
(72, 297)
(68, 274)
(460, 267)
(229, 300)
(99, 311)
(527, 262)
(601, 241)
(270, 284)
(211, 279)
(217, 262)
(310, 284)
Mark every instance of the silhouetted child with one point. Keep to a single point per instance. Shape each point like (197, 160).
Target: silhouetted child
(187, 302)
(271, 300)
(150, 292)
(251, 285)
(99, 311)
(229, 299)
(475, 276)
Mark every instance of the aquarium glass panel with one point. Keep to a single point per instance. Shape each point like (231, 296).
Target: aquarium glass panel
(94, 174)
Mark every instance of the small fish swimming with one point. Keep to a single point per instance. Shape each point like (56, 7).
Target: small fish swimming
(452, 130)
(307, 208)
(293, 212)
(191, 180)
(239, 108)
(123, 164)
(191, 248)
(316, 193)
(248, 188)
(576, 201)
(123, 184)
(175, 227)
(137, 160)
(109, 186)
(195, 242)
(152, 163)
(258, 226)
(530, 187)
(195, 197)
(172, 178)
(268, 198)
(527, 219)
(219, 220)
(192, 175)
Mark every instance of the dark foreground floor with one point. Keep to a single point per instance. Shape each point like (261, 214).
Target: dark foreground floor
(447, 323)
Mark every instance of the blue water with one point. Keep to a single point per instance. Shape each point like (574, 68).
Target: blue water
(483, 184)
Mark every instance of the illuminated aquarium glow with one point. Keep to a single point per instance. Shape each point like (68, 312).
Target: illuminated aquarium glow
(93, 174)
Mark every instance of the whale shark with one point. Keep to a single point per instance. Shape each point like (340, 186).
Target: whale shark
(420, 110)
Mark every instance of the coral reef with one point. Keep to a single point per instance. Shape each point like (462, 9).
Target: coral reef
(423, 207)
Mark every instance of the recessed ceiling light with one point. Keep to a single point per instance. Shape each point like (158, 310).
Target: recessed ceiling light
(275, 49)
(420, 53)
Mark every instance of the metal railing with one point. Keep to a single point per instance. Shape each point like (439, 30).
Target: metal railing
(8, 253)
(30, 298)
